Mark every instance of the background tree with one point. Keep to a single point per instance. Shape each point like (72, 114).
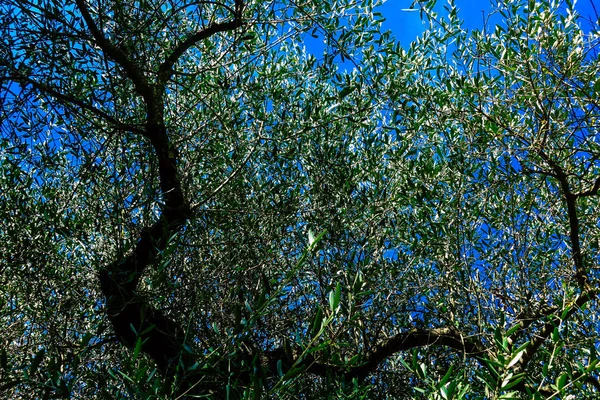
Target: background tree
(509, 115)
(193, 204)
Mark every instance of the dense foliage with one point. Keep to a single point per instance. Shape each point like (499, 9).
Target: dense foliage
(195, 203)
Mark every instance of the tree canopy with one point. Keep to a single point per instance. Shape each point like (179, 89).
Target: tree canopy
(196, 203)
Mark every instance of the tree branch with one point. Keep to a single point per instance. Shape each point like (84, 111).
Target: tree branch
(165, 70)
(571, 199)
(591, 192)
(130, 316)
(71, 100)
(548, 328)
(448, 337)
(116, 54)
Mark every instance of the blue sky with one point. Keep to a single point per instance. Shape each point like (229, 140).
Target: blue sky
(408, 25)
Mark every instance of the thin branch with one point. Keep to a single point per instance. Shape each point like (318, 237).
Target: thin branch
(194, 207)
(531, 171)
(449, 337)
(525, 320)
(591, 192)
(71, 100)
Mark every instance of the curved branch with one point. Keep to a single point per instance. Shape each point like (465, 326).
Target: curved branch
(116, 54)
(68, 99)
(591, 192)
(448, 337)
(133, 319)
(548, 328)
(165, 70)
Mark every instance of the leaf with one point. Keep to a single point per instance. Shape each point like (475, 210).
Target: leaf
(446, 377)
(147, 330)
(353, 360)
(512, 330)
(498, 337)
(561, 381)
(346, 91)
(86, 339)
(138, 348)
(334, 297)
(597, 86)
(492, 366)
(422, 371)
(514, 381)
(249, 36)
(35, 363)
(317, 323)
(127, 377)
(444, 392)
(293, 372)
(515, 358)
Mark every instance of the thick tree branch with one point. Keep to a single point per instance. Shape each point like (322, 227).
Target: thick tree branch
(166, 68)
(571, 199)
(580, 274)
(548, 328)
(132, 317)
(448, 337)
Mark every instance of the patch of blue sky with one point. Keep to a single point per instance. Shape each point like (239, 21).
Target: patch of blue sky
(405, 20)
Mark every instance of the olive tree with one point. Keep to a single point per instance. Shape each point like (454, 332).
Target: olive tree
(195, 203)
(167, 170)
